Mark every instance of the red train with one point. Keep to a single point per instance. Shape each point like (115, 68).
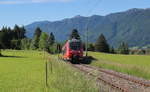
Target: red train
(73, 51)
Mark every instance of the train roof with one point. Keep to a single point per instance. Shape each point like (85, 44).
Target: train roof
(74, 40)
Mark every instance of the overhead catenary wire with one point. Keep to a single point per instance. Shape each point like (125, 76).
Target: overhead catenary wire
(87, 24)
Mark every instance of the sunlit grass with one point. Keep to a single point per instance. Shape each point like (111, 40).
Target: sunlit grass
(137, 65)
(24, 71)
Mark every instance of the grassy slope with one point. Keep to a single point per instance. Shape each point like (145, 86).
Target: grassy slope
(137, 65)
(25, 73)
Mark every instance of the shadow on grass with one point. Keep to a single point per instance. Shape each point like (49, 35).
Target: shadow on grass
(87, 60)
(12, 56)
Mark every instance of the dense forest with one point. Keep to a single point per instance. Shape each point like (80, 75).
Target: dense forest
(15, 39)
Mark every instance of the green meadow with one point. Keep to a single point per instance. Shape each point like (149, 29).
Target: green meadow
(137, 65)
(24, 71)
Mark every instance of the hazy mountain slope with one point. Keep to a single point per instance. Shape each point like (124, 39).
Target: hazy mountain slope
(132, 26)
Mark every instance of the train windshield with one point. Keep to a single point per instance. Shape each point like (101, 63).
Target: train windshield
(75, 45)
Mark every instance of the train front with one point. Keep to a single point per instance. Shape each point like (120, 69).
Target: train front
(75, 50)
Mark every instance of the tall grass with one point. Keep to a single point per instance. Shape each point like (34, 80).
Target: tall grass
(64, 78)
(137, 65)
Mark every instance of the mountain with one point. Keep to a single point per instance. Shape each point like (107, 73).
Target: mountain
(131, 26)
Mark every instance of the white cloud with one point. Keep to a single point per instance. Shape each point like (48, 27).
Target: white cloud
(30, 1)
(38, 1)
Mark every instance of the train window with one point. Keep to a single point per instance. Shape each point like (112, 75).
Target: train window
(75, 45)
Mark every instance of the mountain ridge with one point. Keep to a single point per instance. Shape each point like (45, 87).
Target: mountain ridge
(131, 26)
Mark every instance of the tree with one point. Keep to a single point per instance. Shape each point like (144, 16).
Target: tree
(25, 44)
(17, 32)
(59, 48)
(1, 43)
(51, 39)
(101, 44)
(123, 48)
(112, 50)
(51, 43)
(74, 34)
(0, 50)
(91, 47)
(0, 53)
(36, 39)
(22, 32)
(3, 39)
(43, 45)
(38, 32)
(16, 44)
(11, 38)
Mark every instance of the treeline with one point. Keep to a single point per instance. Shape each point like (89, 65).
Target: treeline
(15, 39)
(102, 45)
(140, 51)
(11, 38)
(43, 41)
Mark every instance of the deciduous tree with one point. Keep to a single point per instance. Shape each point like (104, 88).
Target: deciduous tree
(25, 43)
(43, 45)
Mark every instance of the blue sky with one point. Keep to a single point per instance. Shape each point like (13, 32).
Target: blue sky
(23, 12)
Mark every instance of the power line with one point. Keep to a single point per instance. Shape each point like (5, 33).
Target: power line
(86, 26)
(95, 5)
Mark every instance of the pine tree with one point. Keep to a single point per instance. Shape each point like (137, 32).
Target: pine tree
(123, 48)
(58, 48)
(0, 50)
(17, 32)
(0, 53)
(0, 44)
(38, 32)
(22, 32)
(112, 50)
(50, 42)
(3, 39)
(10, 39)
(74, 34)
(101, 44)
(51, 39)
(36, 39)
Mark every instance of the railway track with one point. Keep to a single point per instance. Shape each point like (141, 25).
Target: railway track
(119, 81)
(124, 76)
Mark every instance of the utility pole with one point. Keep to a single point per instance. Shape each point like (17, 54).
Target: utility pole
(46, 73)
(46, 68)
(86, 47)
